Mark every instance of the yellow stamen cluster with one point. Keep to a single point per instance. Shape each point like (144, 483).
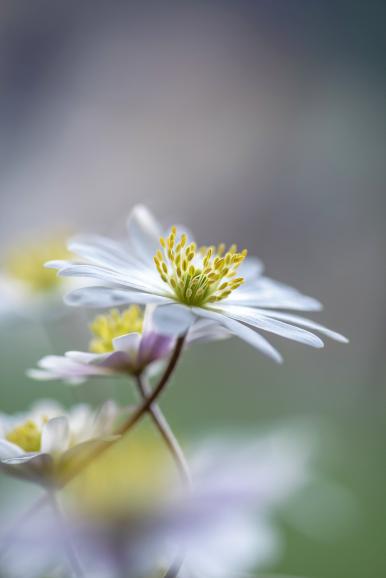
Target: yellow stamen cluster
(198, 276)
(26, 264)
(107, 327)
(27, 436)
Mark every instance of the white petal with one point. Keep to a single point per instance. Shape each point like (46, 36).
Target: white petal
(173, 319)
(251, 268)
(22, 459)
(9, 450)
(128, 343)
(253, 317)
(305, 323)
(109, 297)
(205, 330)
(268, 293)
(144, 233)
(55, 435)
(130, 277)
(85, 357)
(100, 250)
(245, 333)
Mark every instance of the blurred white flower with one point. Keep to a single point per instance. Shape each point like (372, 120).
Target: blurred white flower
(27, 288)
(223, 527)
(172, 273)
(37, 445)
(124, 343)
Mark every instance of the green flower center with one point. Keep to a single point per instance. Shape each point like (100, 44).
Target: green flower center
(198, 276)
(106, 328)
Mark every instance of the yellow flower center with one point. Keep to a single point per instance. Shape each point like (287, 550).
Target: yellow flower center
(107, 327)
(134, 475)
(26, 264)
(201, 275)
(27, 436)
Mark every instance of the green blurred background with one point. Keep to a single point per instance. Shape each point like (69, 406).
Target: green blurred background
(256, 122)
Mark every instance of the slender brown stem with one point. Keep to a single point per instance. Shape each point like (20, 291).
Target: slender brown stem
(138, 414)
(166, 432)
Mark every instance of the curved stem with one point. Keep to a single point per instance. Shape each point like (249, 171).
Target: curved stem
(125, 428)
(138, 414)
(166, 432)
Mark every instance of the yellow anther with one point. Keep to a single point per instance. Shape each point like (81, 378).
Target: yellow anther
(198, 276)
(162, 242)
(106, 328)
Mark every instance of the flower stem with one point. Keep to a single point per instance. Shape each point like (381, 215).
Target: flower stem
(166, 432)
(136, 416)
(70, 552)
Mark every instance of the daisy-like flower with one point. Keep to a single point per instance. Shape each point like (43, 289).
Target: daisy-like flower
(171, 271)
(26, 286)
(126, 342)
(133, 519)
(40, 444)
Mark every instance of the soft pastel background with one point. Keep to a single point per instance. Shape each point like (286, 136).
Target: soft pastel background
(258, 122)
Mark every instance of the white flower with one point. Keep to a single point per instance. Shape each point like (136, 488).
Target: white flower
(225, 287)
(27, 289)
(37, 444)
(131, 517)
(124, 343)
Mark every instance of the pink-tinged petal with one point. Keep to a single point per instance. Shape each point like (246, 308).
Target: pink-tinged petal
(143, 233)
(253, 317)
(245, 333)
(55, 436)
(110, 297)
(153, 347)
(9, 450)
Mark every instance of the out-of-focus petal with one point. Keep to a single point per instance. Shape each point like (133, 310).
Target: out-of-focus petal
(9, 450)
(55, 435)
(143, 233)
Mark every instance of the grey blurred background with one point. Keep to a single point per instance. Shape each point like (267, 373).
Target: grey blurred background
(258, 122)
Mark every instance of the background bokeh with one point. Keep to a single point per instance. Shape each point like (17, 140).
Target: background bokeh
(257, 122)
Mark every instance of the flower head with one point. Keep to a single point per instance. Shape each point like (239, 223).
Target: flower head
(26, 286)
(133, 518)
(227, 288)
(124, 342)
(34, 445)
(198, 276)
